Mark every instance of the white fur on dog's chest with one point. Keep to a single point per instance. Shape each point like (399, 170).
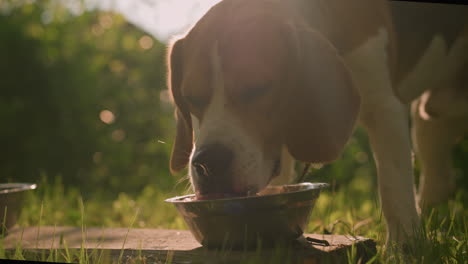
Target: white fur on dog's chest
(436, 67)
(370, 71)
(423, 74)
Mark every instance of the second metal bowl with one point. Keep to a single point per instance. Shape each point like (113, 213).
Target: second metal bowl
(11, 200)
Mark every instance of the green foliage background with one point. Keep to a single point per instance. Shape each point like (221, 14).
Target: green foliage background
(59, 71)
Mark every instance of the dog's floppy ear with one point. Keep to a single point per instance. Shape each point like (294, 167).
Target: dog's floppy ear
(323, 105)
(184, 134)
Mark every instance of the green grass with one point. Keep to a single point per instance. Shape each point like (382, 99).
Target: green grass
(352, 209)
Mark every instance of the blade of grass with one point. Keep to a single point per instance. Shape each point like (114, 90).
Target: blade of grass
(83, 252)
(95, 250)
(169, 257)
(4, 228)
(18, 248)
(126, 235)
(39, 226)
(51, 250)
(2, 249)
(67, 254)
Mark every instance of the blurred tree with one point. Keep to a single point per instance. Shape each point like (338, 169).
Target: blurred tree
(80, 97)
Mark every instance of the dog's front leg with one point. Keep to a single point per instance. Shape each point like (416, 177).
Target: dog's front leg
(387, 125)
(386, 119)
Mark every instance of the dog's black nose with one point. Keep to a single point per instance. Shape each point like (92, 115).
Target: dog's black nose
(212, 161)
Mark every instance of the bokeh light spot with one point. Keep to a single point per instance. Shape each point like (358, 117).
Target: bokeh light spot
(107, 116)
(146, 42)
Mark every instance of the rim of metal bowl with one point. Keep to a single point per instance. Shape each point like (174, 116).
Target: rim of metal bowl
(16, 187)
(308, 186)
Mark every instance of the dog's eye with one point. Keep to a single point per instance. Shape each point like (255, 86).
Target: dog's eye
(196, 101)
(255, 92)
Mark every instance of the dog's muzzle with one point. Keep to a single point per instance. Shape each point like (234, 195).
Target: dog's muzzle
(211, 172)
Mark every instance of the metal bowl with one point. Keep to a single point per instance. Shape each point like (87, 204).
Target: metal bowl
(11, 200)
(277, 214)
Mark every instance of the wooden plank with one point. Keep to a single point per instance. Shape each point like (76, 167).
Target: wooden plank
(179, 245)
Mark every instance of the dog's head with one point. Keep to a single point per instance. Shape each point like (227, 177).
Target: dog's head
(248, 80)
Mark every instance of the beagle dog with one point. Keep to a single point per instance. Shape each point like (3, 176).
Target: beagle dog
(260, 84)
